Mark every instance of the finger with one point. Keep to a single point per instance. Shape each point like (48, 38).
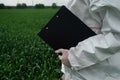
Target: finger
(60, 57)
(59, 51)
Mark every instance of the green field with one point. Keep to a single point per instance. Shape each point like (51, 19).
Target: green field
(23, 55)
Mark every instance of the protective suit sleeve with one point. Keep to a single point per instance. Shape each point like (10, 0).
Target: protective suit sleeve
(102, 46)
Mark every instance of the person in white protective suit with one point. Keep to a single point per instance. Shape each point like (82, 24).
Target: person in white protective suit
(98, 57)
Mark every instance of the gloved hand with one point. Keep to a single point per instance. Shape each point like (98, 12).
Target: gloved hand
(64, 56)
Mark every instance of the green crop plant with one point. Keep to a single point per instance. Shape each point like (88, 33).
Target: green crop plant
(23, 55)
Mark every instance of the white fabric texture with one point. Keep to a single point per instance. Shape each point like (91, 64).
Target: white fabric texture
(96, 58)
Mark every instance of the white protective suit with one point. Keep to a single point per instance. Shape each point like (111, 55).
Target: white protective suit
(96, 58)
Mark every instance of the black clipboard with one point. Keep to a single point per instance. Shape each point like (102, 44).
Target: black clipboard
(65, 30)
